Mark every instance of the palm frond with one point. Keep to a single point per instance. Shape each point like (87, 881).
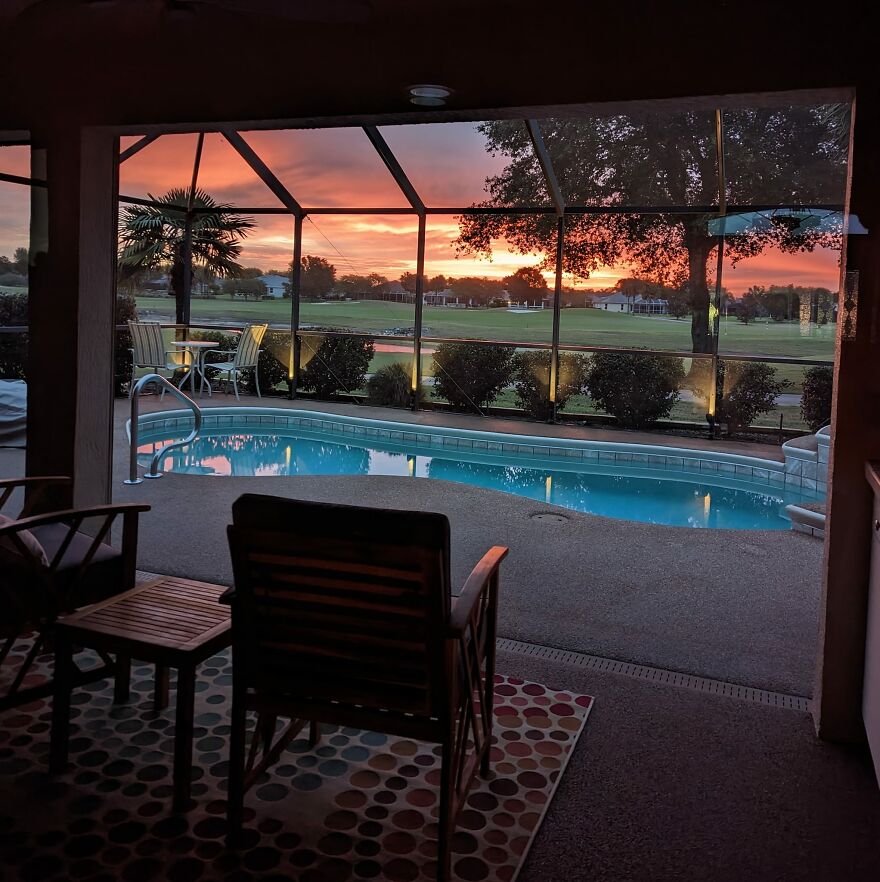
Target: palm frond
(150, 235)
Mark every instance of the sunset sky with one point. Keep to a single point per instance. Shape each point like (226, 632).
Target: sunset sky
(446, 162)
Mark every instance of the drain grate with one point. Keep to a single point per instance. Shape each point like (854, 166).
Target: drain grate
(639, 672)
(661, 676)
(549, 517)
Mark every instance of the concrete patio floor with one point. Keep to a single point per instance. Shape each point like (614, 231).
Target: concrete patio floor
(667, 783)
(674, 785)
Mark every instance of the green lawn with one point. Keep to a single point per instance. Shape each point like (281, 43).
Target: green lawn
(578, 326)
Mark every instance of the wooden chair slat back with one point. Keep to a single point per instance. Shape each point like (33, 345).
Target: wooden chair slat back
(148, 344)
(247, 353)
(341, 603)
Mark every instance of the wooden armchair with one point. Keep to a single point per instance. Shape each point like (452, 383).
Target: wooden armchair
(344, 615)
(49, 567)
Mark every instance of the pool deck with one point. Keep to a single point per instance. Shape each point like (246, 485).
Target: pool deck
(740, 606)
(733, 605)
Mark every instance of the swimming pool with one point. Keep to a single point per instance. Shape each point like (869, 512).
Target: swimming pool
(654, 484)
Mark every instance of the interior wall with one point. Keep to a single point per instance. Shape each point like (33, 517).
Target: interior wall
(855, 439)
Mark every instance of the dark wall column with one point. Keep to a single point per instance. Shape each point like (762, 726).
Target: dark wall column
(71, 311)
(837, 705)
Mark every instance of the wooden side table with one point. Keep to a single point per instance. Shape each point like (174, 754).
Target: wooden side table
(171, 622)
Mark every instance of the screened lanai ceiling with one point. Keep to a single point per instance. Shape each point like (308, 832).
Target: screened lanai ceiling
(445, 167)
(688, 161)
(452, 169)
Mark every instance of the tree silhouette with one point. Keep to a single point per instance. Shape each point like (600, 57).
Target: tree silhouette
(318, 277)
(749, 305)
(774, 156)
(155, 235)
(525, 284)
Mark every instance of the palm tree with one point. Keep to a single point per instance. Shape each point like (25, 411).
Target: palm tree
(154, 235)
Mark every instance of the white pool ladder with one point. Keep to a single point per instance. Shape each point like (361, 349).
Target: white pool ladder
(162, 383)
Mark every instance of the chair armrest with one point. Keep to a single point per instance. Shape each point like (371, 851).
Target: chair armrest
(218, 352)
(34, 481)
(81, 514)
(185, 355)
(72, 519)
(481, 577)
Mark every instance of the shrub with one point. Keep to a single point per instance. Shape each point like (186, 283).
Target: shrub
(744, 391)
(470, 376)
(13, 280)
(13, 346)
(816, 398)
(390, 386)
(532, 381)
(340, 363)
(636, 389)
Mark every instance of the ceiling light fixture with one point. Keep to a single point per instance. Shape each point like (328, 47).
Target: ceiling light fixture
(428, 95)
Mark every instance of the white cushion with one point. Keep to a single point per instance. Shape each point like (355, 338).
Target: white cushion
(13, 413)
(28, 539)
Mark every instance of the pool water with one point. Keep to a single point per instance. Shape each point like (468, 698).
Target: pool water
(668, 496)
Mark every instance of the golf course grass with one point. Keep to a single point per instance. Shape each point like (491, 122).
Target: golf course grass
(578, 327)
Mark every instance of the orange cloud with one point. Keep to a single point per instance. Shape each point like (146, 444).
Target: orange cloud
(820, 269)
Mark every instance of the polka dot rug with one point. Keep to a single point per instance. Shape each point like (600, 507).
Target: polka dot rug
(357, 806)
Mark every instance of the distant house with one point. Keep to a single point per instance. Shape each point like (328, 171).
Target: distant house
(446, 297)
(618, 302)
(276, 286)
(160, 283)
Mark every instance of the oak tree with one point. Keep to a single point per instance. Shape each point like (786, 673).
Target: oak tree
(662, 165)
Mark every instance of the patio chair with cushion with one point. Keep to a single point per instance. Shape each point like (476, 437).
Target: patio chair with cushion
(49, 566)
(245, 356)
(148, 351)
(344, 615)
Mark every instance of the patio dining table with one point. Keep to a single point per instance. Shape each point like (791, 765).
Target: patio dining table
(197, 349)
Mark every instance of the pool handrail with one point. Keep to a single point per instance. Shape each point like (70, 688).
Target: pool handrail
(153, 471)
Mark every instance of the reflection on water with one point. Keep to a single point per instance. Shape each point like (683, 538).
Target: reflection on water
(611, 492)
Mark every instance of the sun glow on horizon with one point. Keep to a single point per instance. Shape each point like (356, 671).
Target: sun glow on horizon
(447, 163)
